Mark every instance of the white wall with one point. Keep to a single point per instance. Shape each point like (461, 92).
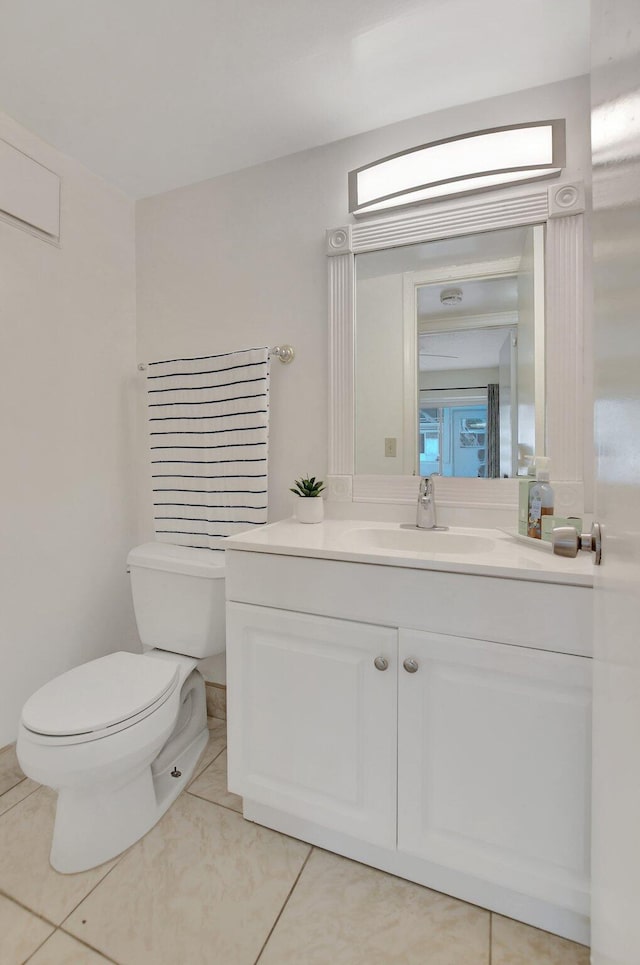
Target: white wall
(228, 263)
(379, 366)
(67, 357)
(460, 378)
(239, 261)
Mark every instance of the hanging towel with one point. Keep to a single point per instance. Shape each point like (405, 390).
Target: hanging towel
(208, 426)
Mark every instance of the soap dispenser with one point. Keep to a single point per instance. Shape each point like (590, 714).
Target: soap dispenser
(540, 498)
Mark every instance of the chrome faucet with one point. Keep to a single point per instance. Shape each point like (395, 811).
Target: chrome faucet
(426, 517)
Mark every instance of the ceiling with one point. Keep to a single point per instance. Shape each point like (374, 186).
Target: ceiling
(493, 302)
(434, 255)
(451, 351)
(153, 95)
(480, 296)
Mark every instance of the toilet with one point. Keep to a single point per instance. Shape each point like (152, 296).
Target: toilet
(118, 738)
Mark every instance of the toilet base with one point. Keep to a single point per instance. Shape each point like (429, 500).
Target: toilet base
(95, 824)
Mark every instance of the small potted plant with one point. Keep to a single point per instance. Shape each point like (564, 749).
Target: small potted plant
(309, 508)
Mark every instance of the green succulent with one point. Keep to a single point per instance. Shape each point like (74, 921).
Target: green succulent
(308, 486)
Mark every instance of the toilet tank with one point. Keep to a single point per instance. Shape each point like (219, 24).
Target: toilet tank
(178, 598)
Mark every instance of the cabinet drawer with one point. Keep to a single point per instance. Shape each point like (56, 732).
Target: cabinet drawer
(545, 616)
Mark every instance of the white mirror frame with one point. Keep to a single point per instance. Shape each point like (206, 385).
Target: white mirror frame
(560, 208)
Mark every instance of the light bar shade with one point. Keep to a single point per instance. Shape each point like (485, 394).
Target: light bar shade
(458, 166)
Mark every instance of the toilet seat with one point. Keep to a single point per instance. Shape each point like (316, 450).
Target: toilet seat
(99, 698)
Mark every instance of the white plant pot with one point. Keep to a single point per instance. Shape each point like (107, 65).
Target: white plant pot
(308, 509)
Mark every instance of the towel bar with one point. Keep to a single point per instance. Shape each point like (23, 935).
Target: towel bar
(283, 352)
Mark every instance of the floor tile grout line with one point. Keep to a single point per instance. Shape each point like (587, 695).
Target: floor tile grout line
(227, 807)
(117, 861)
(107, 958)
(118, 858)
(19, 781)
(86, 944)
(11, 746)
(197, 774)
(35, 950)
(104, 877)
(286, 902)
(20, 904)
(6, 750)
(12, 806)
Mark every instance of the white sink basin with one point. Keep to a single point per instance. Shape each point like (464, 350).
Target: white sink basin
(413, 540)
(461, 549)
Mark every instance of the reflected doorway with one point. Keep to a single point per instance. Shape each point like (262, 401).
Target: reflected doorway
(448, 325)
(453, 440)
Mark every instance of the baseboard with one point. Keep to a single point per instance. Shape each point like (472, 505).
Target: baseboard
(216, 700)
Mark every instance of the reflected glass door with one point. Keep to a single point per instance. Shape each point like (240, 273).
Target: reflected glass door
(453, 441)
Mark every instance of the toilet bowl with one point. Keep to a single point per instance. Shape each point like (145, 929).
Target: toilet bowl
(119, 737)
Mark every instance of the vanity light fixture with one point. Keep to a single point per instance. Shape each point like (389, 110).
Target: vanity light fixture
(454, 167)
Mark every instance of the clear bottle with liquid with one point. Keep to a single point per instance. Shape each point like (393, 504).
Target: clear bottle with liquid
(540, 498)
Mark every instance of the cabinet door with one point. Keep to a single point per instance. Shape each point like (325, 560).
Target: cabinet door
(494, 764)
(312, 722)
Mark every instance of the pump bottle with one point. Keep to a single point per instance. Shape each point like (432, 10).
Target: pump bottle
(540, 498)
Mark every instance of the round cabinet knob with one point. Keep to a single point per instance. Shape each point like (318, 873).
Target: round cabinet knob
(410, 665)
(381, 663)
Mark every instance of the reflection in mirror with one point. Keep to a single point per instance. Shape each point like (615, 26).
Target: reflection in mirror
(450, 356)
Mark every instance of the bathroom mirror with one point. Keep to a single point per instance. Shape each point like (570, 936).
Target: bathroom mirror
(430, 251)
(447, 334)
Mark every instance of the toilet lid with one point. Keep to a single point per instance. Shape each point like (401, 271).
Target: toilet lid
(98, 694)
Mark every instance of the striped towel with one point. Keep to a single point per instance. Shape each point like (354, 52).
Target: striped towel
(208, 423)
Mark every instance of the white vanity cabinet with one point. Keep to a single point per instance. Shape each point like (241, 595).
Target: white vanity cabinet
(458, 762)
(494, 763)
(313, 720)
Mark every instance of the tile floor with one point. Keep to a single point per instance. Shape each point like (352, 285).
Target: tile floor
(206, 887)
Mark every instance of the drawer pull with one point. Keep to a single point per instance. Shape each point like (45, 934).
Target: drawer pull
(410, 665)
(381, 663)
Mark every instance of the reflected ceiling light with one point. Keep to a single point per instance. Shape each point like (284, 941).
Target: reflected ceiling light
(458, 166)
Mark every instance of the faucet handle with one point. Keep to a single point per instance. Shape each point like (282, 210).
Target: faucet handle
(426, 484)
(426, 514)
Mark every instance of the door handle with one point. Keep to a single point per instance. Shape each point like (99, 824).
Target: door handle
(566, 541)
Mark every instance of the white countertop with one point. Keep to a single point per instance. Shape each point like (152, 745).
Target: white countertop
(497, 553)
